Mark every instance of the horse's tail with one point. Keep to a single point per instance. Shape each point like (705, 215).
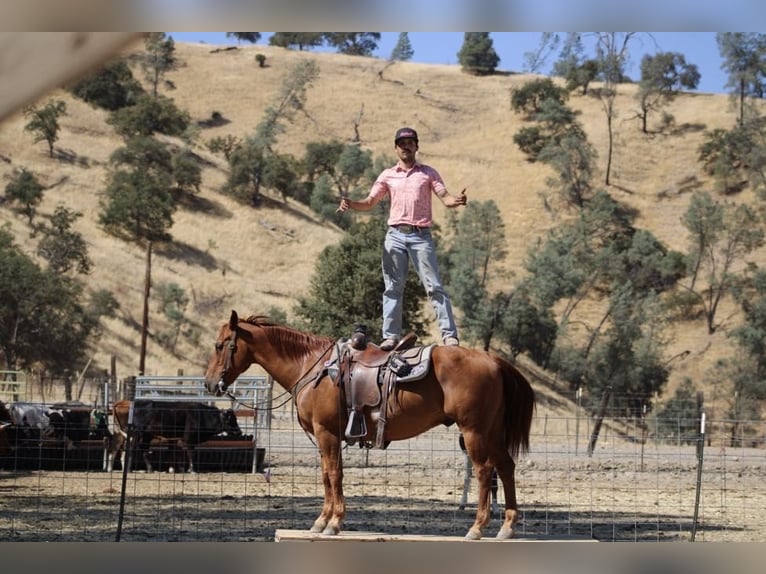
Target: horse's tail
(519, 408)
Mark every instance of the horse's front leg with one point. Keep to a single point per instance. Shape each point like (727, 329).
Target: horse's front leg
(333, 512)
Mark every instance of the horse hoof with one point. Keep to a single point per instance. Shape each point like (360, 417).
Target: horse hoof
(330, 531)
(318, 526)
(505, 534)
(473, 534)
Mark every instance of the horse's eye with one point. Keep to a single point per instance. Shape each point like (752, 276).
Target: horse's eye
(219, 347)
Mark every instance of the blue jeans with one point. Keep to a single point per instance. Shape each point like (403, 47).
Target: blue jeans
(398, 250)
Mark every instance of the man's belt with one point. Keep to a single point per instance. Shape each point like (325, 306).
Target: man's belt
(407, 228)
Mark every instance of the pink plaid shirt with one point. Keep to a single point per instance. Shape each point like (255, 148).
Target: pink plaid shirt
(410, 193)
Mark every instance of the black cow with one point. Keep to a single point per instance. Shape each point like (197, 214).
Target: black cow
(72, 422)
(188, 423)
(7, 431)
(32, 420)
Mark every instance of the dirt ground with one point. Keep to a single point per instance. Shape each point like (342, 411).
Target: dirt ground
(622, 493)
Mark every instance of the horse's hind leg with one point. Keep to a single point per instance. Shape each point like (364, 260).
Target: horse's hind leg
(506, 468)
(483, 469)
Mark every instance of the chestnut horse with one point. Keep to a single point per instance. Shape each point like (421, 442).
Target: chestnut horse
(491, 402)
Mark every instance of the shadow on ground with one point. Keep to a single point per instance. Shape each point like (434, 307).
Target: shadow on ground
(246, 518)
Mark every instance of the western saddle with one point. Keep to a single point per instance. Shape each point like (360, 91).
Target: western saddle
(369, 377)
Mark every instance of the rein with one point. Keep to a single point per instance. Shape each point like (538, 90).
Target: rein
(302, 380)
(294, 390)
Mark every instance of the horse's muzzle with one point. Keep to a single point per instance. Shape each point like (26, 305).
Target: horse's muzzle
(215, 388)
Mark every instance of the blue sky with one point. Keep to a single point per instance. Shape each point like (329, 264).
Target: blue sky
(699, 48)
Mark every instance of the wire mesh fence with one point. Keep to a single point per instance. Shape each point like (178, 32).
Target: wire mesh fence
(636, 485)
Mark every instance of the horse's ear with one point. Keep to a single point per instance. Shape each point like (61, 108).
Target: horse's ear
(233, 320)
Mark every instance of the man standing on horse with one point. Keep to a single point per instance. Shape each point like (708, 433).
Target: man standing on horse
(409, 184)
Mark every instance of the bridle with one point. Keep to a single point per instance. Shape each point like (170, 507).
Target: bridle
(232, 346)
(229, 361)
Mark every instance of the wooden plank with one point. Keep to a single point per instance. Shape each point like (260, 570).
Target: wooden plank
(284, 535)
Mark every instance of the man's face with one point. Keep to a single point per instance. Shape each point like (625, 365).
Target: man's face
(406, 148)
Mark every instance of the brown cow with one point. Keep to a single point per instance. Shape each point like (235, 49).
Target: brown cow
(188, 423)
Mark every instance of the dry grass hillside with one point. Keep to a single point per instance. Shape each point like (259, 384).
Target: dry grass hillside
(228, 256)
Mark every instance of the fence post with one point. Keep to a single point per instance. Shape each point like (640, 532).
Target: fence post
(700, 450)
(599, 420)
(577, 418)
(130, 388)
(128, 462)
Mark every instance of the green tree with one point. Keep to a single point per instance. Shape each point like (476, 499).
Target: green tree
(402, 51)
(187, 172)
(750, 376)
(300, 40)
(577, 70)
(43, 322)
(110, 88)
(582, 76)
(593, 256)
(61, 246)
(612, 55)
(678, 419)
(625, 360)
(224, 145)
(744, 55)
(280, 173)
(44, 122)
(144, 153)
(527, 327)
(477, 54)
(554, 122)
(475, 257)
(251, 37)
(349, 176)
(159, 59)
(721, 235)
(529, 97)
(290, 100)
(26, 191)
(321, 157)
(353, 43)
(534, 60)
(248, 161)
(150, 115)
(571, 55)
(137, 206)
(572, 158)
(736, 157)
(347, 287)
(173, 303)
(324, 202)
(662, 76)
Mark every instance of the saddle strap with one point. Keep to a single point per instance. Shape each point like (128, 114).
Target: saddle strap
(387, 385)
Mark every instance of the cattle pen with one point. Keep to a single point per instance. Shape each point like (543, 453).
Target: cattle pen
(644, 481)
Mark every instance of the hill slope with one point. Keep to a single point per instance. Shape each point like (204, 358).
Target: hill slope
(229, 256)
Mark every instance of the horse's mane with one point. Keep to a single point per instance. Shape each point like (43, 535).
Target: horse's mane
(290, 342)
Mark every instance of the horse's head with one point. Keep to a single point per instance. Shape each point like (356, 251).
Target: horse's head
(228, 360)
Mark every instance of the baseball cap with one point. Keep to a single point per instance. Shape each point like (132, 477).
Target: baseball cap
(406, 133)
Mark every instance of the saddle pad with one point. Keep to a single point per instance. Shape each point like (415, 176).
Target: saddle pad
(420, 363)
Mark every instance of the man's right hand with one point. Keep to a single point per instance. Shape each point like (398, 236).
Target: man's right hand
(344, 205)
